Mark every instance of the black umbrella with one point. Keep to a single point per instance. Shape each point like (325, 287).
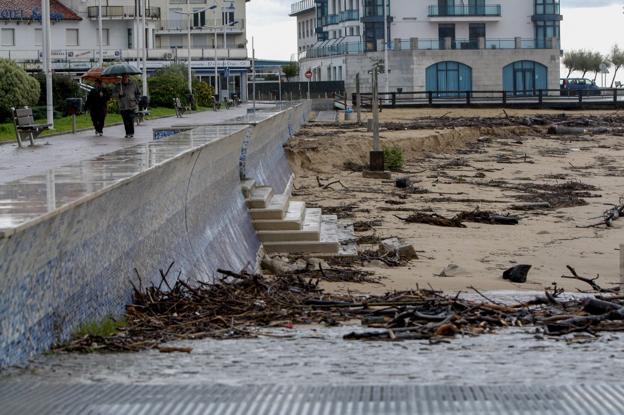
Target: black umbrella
(120, 69)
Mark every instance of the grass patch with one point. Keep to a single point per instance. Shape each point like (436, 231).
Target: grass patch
(394, 158)
(103, 328)
(64, 124)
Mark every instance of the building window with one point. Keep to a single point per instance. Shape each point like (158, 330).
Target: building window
(525, 77)
(475, 32)
(448, 79)
(227, 17)
(199, 18)
(130, 39)
(105, 38)
(545, 30)
(547, 7)
(340, 73)
(7, 37)
(71, 37)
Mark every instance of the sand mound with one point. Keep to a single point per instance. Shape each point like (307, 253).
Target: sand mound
(324, 150)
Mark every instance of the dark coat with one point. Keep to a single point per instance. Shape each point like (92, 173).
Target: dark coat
(97, 101)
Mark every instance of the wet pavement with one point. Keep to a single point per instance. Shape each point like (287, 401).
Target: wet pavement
(57, 151)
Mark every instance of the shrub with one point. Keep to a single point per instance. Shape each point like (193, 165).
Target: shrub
(166, 84)
(63, 87)
(393, 158)
(17, 88)
(203, 92)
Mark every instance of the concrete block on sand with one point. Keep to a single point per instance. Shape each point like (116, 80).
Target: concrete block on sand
(391, 245)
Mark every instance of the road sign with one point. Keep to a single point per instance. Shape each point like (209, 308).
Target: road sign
(308, 74)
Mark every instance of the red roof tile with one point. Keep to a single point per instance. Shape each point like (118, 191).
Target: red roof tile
(31, 10)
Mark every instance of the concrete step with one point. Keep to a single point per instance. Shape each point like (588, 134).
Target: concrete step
(260, 197)
(293, 220)
(275, 209)
(311, 230)
(328, 243)
(247, 186)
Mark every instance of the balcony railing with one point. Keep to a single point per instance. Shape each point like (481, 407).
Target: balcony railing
(87, 56)
(301, 6)
(351, 48)
(121, 12)
(333, 19)
(180, 25)
(465, 11)
(348, 15)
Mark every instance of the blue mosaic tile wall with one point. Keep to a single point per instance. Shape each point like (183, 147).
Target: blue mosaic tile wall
(71, 256)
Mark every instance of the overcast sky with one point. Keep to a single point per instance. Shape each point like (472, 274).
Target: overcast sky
(597, 27)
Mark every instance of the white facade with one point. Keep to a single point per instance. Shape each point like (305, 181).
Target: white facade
(75, 42)
(503, 38)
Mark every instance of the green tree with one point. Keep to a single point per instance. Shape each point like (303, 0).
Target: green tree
(203, 92)
(291, 69)
(167, 83)
(17, 88)
(617, 59)
(572, 61)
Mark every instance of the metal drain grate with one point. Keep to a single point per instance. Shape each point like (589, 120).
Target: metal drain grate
(118, 399)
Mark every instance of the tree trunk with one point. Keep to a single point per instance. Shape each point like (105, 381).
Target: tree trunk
(595, 76)
(617, 68)
(569, 73)
(584, 73)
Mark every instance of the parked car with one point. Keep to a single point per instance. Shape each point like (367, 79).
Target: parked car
(576, 86)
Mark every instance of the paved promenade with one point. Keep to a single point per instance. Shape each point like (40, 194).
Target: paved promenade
(57, 151)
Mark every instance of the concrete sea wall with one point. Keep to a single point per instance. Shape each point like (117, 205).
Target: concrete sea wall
(73, 240)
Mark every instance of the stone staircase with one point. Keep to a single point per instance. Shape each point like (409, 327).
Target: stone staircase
(288, 226)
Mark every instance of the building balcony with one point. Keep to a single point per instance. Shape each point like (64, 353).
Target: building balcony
(122, 12)
(465, 13)
(333, 19)
(349, 15)
(87, 57)
(301, 7)
(180, 26)
(336, 47)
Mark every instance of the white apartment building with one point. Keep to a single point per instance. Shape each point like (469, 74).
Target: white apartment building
(442, 46)
(218, 35)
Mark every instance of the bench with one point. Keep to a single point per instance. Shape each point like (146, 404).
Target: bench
(25, 125)
(179, 108)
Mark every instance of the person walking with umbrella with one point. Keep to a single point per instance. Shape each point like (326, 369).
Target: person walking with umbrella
(127, 92)
(97, 102)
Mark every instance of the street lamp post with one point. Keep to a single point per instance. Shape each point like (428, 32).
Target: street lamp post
(47, 59)
(144, 47)
(101, 50)
(227, 23)
(189, 15)
(386, 42)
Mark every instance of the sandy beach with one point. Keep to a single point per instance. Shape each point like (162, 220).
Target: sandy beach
(461, 169)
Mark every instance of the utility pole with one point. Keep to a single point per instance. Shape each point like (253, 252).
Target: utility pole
(47, 59)
(253, 73)
(377, 154)
(188, 47)
(144, 46)
(358, 98)
(101, 57)
(386, 66)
